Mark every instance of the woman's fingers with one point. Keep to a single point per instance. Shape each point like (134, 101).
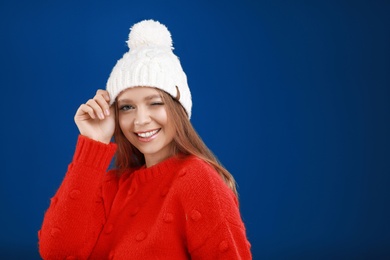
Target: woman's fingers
(97, 107)
(85, 112)
(103, 103)
(103, 93)
(89, 118)
(99, 104)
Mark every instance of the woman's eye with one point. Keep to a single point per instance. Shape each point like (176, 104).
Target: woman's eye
(157, 103)
(125, 107)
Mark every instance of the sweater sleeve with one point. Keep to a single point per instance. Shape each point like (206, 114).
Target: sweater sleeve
(214, 228)
(76, 214)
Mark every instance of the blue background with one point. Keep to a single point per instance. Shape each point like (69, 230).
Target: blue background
(292, 96)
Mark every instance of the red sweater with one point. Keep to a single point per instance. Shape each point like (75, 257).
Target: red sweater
(177, 209)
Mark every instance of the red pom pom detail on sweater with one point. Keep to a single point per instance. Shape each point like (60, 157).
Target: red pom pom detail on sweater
(75, 194)
(195, 215)
(223, 246)
(141, 236)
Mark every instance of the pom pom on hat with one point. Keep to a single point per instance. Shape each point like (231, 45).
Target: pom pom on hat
(149, 33)
(150, 62)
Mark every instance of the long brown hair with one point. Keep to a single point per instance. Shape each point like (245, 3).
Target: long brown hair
(186, 141)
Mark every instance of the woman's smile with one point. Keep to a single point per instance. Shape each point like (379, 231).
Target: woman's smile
(147, 136)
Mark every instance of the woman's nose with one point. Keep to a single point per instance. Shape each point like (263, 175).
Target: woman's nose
(142, 117)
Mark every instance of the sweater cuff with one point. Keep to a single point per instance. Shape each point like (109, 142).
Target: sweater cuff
(94, 153)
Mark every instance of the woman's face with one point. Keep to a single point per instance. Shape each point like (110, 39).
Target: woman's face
(144, 122)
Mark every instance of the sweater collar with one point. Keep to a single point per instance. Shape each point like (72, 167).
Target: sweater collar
(145, 174)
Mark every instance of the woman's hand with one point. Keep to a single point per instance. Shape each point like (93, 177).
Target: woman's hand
(96, 119)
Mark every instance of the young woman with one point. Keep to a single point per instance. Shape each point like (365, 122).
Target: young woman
(168, 196)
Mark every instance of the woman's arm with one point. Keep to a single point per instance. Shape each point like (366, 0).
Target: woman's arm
(76, 214)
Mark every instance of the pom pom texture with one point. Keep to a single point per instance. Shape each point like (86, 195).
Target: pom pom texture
(149, 33)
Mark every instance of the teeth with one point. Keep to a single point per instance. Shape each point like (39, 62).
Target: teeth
(148, 134)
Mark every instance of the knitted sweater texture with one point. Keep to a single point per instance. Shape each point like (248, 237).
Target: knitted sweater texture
(177, 209)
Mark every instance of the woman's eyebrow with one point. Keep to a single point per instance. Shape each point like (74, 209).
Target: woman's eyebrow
(152, 97)
(127, 100)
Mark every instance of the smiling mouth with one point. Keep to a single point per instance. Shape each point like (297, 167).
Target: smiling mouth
(148, 134)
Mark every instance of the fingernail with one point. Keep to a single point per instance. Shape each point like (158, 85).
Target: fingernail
(107, 112)
(101, 116)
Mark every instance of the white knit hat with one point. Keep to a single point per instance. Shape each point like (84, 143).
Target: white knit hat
(150, 62)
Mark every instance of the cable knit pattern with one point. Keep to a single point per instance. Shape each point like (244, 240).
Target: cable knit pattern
(177, 209)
